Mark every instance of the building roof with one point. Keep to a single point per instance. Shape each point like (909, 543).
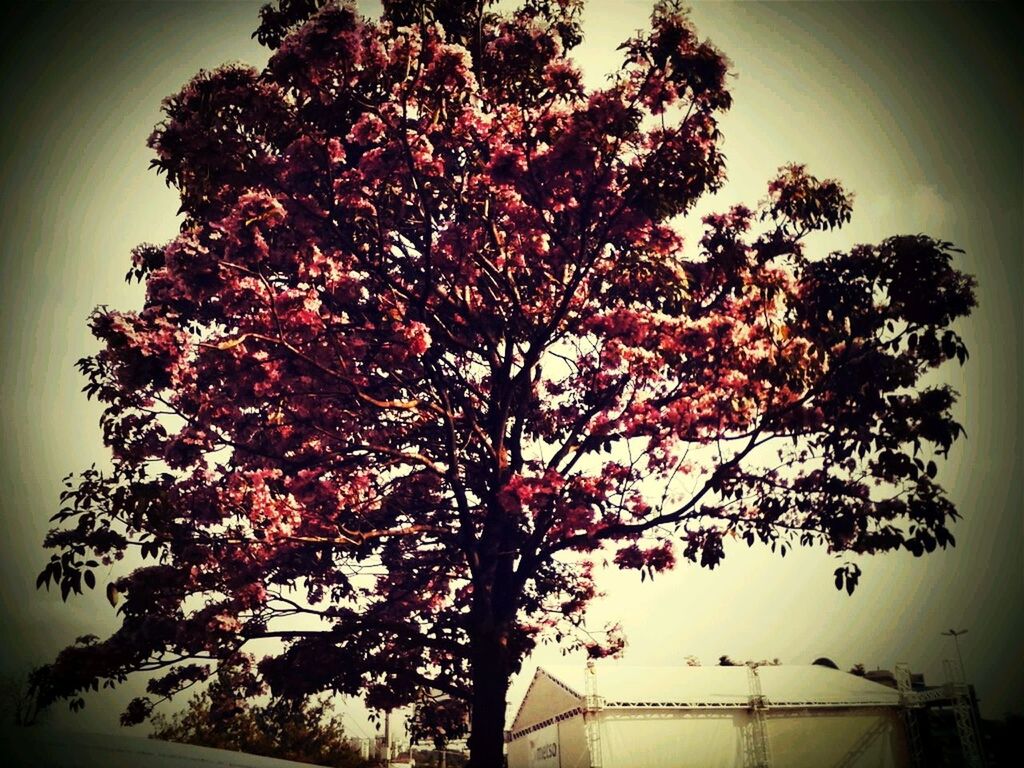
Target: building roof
(619, 685)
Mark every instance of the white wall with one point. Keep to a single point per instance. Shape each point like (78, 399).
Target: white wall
(652, 738)
(559, 745)
(672, 738)
(847, 738)
(797, 738)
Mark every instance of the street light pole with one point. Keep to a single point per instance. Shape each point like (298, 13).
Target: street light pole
(955, 634)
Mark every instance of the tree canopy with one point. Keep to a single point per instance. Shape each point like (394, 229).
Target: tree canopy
(429, 347)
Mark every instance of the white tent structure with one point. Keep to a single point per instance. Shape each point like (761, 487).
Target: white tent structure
(614, 716)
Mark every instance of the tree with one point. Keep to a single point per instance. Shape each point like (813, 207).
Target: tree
(19, 700)
(726, 661)
(304, 731)
(429, 347)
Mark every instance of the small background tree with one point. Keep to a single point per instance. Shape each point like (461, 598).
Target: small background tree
(304, 730)
(20, 705)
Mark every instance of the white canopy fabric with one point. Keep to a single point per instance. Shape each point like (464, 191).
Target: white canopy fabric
(620, 685)
(795, 738)
(822, 686)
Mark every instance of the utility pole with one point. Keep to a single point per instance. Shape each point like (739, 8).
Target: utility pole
(387, 738)
(955, 634)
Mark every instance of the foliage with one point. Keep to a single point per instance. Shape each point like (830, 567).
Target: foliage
(19, 700)
(439, 719)
(433, 758)
(304, 730)
(726, 661)
(429, 347)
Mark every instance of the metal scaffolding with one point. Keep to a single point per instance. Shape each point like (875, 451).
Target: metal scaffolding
(864, 743)
(911, 705)
(591, 716)
(956, 693)
(963, 710)
(755, 737)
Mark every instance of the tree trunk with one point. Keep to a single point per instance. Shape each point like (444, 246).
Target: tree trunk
(490, 676)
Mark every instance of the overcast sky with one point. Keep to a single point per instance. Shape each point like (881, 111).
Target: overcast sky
(914, 107)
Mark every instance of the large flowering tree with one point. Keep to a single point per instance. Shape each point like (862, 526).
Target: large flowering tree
(429, 344)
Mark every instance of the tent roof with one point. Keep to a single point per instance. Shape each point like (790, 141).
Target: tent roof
(629, 686)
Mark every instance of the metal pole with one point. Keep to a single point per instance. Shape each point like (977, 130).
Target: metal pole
(955, 634)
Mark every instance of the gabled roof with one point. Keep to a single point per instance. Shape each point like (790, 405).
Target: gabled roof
(619, 685)
(546, 696)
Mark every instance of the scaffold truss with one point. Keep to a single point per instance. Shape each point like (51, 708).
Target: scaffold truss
(956, 693)
(964, 713)
(591, 717)
(756, 750)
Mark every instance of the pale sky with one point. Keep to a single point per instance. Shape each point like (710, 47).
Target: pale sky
(914, 107)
